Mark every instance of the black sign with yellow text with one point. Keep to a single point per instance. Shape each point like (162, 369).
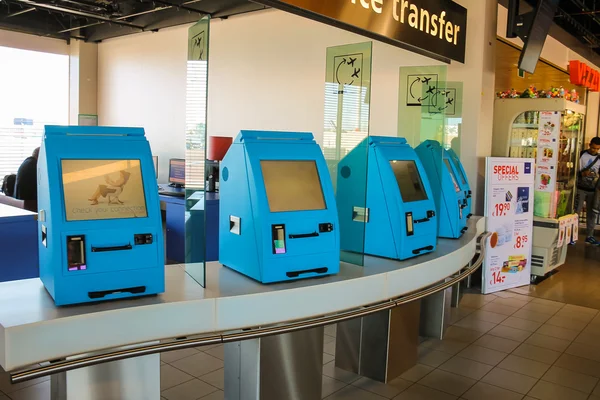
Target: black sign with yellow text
(436, 26)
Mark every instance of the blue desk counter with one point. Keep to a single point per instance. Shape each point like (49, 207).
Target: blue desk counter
(178, 220)
(18, 244)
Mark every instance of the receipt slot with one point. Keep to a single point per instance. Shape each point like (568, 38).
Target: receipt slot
(100, 227)
(400, 220)
(278, 217)
(450, 199)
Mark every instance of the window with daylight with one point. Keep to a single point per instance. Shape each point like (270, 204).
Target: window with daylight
(195, 123)
(34, 91)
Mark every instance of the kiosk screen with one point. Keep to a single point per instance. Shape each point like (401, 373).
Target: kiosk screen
(292, 185)
(103, 189)
(461, 175)
(409, 180)
(451, 171)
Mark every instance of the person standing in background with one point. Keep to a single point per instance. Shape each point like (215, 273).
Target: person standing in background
(587, 185)
(26, 183)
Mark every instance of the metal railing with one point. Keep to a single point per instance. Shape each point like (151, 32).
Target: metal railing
(253, 333)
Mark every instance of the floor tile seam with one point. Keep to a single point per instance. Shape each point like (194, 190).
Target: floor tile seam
(488, 348)
(370, 391)
(507, 370)
(208, 383)
(558, 384)
(584, 328)
(561, 352)
(339, 390)
(521, 341)
(507, 305)
(554, 383)
(203, 397)
(187, 373)
(533, 387)
(523, 319)
(179, 384)
(569, 329)
(213, 386)
(448, 372)
(532, 359)
(533, 377)
(589, 359)
(499, 387)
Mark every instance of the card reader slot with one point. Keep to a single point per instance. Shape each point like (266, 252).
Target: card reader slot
(111, 248)
(103, 293)
(303, 235)
(296, 274)
(418, 221)
(426, 248)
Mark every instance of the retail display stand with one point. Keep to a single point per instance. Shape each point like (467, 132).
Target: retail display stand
(551, 131)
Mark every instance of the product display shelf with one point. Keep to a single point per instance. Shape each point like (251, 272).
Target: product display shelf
(516, 127)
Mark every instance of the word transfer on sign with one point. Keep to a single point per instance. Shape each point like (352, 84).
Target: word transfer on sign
(403, 11)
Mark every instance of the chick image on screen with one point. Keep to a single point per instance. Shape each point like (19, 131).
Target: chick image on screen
(111, 190)
(103, 189)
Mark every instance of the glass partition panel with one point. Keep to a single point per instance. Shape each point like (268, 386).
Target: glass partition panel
(424, 101)
(346, 126)
(195, 150)
(453, 117)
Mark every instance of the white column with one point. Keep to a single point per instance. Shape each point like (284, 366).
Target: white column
(83, 79)
(477, 75)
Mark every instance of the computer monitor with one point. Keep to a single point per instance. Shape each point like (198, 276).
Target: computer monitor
(155, 160)
(177, 172)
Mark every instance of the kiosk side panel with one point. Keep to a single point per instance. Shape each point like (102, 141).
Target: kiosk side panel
(237, 238)
(45, 220)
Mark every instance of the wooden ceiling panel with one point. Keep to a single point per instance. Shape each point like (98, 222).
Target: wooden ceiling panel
(546, 75)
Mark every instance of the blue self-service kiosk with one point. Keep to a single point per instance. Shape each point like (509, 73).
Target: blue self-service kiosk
(400, 219)
(278, 217)
(99, 220)
(450, 199)
(462, 180)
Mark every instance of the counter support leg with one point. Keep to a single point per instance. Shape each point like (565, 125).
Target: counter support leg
(58, 386)
(287, 366)
(132, 379)
(380, 346)
(435, 314)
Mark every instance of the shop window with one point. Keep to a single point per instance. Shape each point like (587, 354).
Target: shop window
(34, 91)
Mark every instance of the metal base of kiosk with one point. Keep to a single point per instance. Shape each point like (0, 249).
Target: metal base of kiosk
(132, 379)
(380, 346)
(288, 366)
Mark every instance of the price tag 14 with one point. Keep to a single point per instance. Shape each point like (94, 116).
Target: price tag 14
(497, 278)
